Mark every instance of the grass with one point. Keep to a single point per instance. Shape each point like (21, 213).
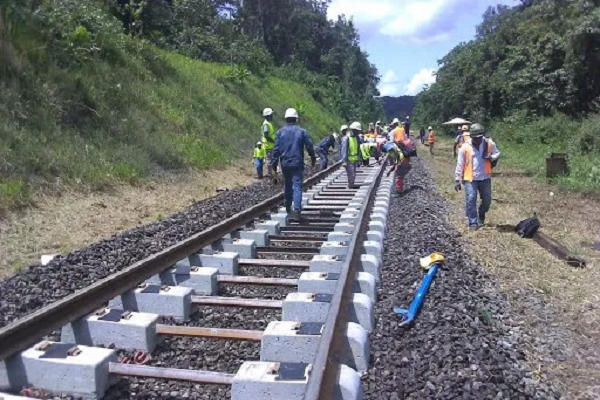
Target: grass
(128, 113)
(522, 266)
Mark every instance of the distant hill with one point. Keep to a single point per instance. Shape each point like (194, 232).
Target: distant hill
(398, 106)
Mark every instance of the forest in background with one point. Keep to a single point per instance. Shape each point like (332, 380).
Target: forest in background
(532, 75)
(94, 92)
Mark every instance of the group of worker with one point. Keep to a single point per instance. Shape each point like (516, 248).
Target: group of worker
(476, 157)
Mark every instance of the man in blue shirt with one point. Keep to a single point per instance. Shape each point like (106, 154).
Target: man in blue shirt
(323, 149)
(290, 142)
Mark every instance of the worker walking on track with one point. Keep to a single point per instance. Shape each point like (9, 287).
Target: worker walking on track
(460, 139)
(268, 138)
(351, 156)
(343, 134)
(476, 158)
(290, 142)
(259, 159)
(367, 150)
(323, 149)
(431, 140)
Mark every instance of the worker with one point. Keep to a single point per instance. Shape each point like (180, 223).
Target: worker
(351, 155)
(431, 139)
(398, 133)
(343, 134)
(422, 135)
(290, 142)
(323, 149)
(378, 130)
(394, 157)
(460, 139)
(407, 126)
(259, 159)
(402, 141)
(371, 133)
(268, 138)
(367, 150)
(476, 158)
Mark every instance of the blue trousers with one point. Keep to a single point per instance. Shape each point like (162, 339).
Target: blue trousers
(259, 163)
(292, 180)
(324, 160)
(484, 188)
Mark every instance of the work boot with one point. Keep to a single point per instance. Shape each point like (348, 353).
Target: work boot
(482, 219)
(296, 216)
(288, 209)
(473, 228)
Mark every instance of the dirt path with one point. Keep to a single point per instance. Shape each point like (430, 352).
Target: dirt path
(566, 335)
(74, 220)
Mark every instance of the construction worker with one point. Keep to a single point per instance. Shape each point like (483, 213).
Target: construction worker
(290, 142)
(259, 159)
(371, 133)
(268, 138)
(398, 134)
(367, 150)
(351, 155)
(400, 137)
(343, 134)
(378, 130)
(431, 140)
(323, 149)
(476, 158)
(422, 135)
(394, 157)
(460, 139)
(407, 126)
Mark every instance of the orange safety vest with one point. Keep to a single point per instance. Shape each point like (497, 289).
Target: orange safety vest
(431, 139)
(468, 167)
(462, 140)
(399, 134)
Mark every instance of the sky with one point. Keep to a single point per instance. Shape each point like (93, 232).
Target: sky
(405, 38)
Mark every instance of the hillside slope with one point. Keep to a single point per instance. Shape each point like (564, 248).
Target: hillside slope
(115, 108)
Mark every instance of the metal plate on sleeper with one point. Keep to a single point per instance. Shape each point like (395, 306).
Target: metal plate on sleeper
(323, 298)
(57, 350)
(151, 289)
(310, 328)
(112, 316)
(292, 372)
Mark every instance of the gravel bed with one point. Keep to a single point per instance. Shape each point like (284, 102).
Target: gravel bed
(38, 286)
(229, 318)
(465, 343)
(272, 272)
(255, 291)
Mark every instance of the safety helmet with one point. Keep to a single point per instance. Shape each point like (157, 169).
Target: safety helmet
(291, 113)
(465, 128)
(356, 126)
(396, 121)
(259, 143)
(344, 128)
(267, 112)
(378, 123)
(430, 128)
(335, 135)
(477, 130)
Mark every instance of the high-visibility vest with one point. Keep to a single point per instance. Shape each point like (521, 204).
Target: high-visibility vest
(399, 134)
(468, 166)
(269, 136)
(431, 139)
(365, 150)
(353, 149)
(260, 153)
(462, 140)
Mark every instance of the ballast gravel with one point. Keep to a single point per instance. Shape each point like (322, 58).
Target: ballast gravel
(465, 343)
(38, 285)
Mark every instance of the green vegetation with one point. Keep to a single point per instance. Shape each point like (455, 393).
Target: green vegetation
(532, 74)
(98, 91)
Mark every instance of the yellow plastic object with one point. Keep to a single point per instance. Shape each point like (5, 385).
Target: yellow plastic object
(433, 258)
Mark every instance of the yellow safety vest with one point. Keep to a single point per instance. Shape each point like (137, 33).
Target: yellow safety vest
(269, 136)
(260, 153)
(365, 150)
(353, 149)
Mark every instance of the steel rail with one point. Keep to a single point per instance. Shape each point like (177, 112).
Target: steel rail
(28, 330)
(325, 369)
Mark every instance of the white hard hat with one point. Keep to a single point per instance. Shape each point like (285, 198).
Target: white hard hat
(396, 121)
(430, 128)
(344, 128)
(378, 122)
(291, 113)
(267, 112)
(356, 126)
(258, 143)
(335, 135)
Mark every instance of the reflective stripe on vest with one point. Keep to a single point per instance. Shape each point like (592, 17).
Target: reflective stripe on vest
(353, 149)
(468, 167)
(268, 138)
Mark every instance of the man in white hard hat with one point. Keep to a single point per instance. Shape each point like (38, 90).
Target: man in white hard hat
(290, 142)
(351, 156)
(268, 138)
(343, 134)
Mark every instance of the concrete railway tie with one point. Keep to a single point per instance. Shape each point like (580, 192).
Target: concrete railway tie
(318, 350)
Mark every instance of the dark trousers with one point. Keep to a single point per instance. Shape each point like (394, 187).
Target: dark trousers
(292, 180)
(324, 160)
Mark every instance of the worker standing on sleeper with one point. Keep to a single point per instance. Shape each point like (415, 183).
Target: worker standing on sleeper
(290, 142)
(351, 156)
(476, 158)
(259, 159)
(268, 138)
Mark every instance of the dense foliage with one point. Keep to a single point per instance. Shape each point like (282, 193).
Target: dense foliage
(540, 57)
(398, 107)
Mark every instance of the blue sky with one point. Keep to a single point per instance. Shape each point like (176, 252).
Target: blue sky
(405, 38)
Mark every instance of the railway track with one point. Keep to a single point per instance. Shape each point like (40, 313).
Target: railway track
(297, 297)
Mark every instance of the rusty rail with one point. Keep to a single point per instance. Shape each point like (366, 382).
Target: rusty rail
(29, 329)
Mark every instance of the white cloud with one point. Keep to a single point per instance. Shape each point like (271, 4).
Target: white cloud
(423, 77)
(390, 84)
(418, 21)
